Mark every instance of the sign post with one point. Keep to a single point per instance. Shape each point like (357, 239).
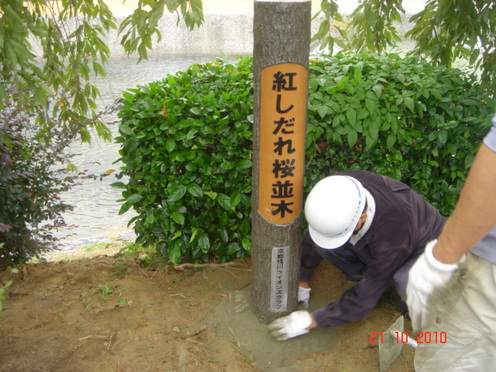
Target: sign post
(280, 70)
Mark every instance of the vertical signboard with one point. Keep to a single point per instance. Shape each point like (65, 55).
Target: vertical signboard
(283, 108)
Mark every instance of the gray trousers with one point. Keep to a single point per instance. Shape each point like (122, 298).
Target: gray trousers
(465, 314)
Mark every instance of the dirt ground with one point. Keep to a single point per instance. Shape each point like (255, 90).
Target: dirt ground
(128, 314)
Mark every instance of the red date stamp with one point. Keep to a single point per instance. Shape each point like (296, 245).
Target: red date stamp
(403, 337)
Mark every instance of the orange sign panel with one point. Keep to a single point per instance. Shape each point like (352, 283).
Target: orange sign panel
(283, 112)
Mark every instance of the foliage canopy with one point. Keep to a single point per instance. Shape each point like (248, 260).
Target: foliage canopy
(49, 51)
(68, 37)
(443, 32)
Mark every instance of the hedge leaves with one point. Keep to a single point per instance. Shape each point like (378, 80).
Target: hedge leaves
(187, 142)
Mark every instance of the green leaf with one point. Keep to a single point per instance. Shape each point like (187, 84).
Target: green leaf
(224, 201)
(150, 219)
(246, 243)
(232, 248)
(126, 129)
(174, 251)
(358, 74)
(391, 140)
(204, 243)
(177, 192)
(124, 208)
(170, 145)
(322, 111)
(442, 137)
(195, 190)
(409, 103)
(377, 89)
(245, 228)
(211, 194)
(133, 199)
(343, 81)
(195, 110)
(351, 116)
(371, 105)
(227, 165)
(178, 218)
(243, 164)
(235, 199)
(118, 185)
(352, 137)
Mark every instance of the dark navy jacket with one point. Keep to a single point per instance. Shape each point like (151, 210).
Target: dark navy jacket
(403, 223)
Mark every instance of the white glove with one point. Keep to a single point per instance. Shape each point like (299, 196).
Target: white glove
(425, 276)
(304, 295)
(292, 325)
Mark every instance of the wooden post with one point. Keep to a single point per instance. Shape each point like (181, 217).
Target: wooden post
(280, 70)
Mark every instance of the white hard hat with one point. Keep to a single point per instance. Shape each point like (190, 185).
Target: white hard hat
(332, 210)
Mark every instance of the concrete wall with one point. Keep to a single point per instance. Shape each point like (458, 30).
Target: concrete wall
(220, 33)
(231, 34)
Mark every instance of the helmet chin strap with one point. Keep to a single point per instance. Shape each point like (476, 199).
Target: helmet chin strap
(370, 212)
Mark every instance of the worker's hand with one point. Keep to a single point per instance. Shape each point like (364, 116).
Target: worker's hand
(295, 324)
(425, 276)
(304, 295)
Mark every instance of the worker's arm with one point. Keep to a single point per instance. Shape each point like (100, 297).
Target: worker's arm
(473, 218)
(475, 213)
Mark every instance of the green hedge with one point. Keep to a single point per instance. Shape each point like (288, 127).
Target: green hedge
(187, 145)
(403, 118)
(187, 142)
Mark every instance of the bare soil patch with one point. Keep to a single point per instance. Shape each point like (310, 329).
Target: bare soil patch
(113, 313)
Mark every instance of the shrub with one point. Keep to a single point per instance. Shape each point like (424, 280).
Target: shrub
(402, 118)
(186, 142)
(29, 183)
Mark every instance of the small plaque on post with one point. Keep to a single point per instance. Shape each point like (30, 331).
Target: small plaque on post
(279, 279)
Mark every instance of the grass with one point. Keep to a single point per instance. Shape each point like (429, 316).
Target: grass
(106, 248)
(87, 251)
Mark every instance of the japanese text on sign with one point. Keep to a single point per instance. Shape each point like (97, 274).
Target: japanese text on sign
(279, 279)
(283, 108)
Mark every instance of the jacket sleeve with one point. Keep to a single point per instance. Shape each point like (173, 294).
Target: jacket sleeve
(309, 258)
(353, 305)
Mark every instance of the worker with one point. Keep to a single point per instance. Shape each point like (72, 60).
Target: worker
(451, 292)
(372, 228)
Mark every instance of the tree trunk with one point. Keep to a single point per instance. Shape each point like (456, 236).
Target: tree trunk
(280, 72)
